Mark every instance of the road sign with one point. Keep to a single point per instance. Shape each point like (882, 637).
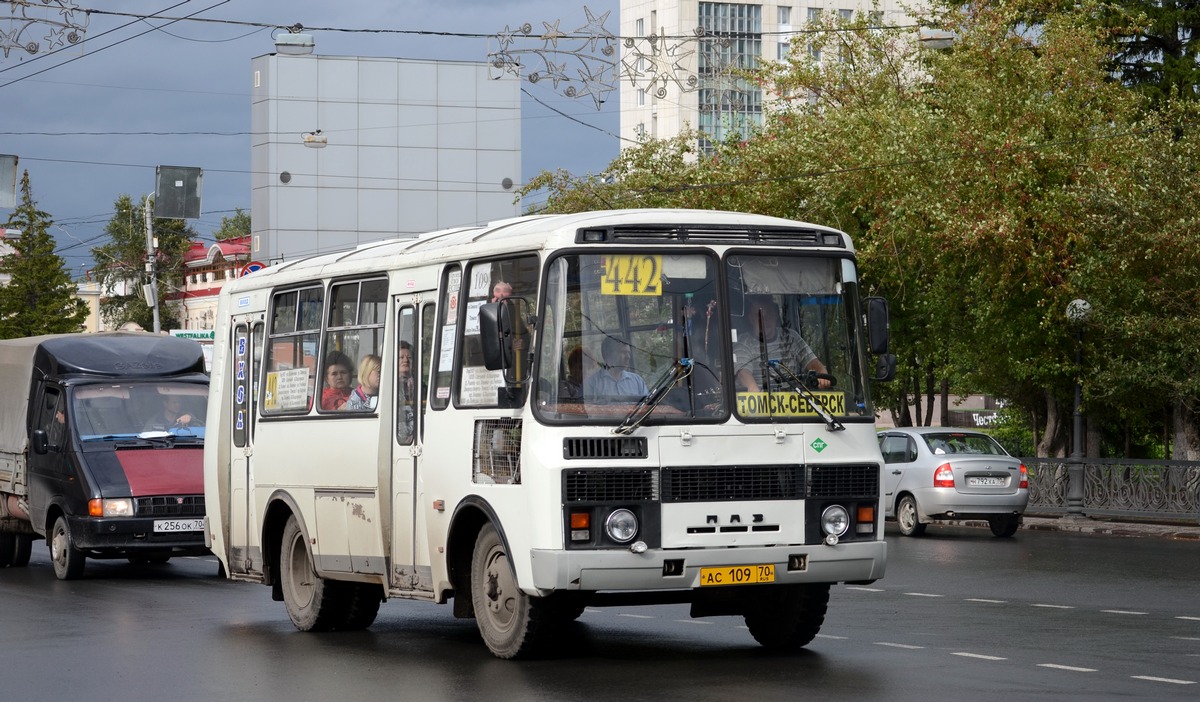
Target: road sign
(251, 267)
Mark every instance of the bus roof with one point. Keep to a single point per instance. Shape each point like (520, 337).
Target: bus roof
(535, 232)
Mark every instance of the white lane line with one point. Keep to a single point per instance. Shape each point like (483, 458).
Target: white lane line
(980, 599)
(898, 645)
(693, 621)
(1187, 638)
(1189, 619)
(830, 636)
(637, 616)
(1173, 681)
(922, 594)
(1071, 668)
(1050, 606)
(979, 656)
(1121, 611)
(864, 589)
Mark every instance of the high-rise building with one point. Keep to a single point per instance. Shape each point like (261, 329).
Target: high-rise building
(677, 57)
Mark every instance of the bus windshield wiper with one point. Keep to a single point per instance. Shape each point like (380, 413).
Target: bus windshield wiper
(679, 370)
(788, 377)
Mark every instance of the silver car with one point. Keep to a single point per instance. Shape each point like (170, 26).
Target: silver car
(935, 473)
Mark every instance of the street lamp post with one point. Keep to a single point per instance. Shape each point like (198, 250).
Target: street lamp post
(1077, 313)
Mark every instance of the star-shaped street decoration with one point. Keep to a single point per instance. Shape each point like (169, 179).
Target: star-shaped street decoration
(552, 35)
(593, 84)
(594, 30)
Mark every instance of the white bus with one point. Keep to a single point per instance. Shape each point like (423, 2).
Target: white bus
(606, 408)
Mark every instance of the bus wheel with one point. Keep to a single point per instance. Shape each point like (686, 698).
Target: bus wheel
(313, 603)
(68, 560)
(8, 548)
(512, 623)
(787, 616)
(363, 605)
(22, 551)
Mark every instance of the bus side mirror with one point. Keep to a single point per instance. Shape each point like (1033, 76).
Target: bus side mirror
(41, 444)
(495, 335)
(877, 325)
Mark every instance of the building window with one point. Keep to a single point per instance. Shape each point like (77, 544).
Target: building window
(846, 15)
(814, 14)
(639, 28)
(641, 97)
(728, 104)
(783, 50)
(785, 15)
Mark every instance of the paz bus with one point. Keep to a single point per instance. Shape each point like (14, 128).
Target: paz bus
(549, 413)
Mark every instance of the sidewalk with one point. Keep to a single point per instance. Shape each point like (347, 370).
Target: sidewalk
(1087, 525)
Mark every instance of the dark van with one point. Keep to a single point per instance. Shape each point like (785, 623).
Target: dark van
(101, 448)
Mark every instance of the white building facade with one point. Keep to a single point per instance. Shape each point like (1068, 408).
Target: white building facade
(348, 150)
(676, 75)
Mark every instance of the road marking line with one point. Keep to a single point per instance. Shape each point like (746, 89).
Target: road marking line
(693, 621)
(897, 645)
(979, 656)
(1120, 611)
(1072, 668)
(830, 636)
(1050, 606)
(980, 599)
(1187, 638)
(637, 616)
(865, 589)
(1190, 619)
(1173, 681)
(922, 594)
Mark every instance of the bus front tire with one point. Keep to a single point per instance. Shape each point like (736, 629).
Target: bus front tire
(787, 617)
(68, 561)
(512, 624)
(313, 603)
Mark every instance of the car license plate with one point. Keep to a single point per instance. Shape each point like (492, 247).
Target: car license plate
(166, 526)
(987, 482)
(737, 575)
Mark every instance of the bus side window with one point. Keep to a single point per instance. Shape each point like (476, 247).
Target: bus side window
(406, 375)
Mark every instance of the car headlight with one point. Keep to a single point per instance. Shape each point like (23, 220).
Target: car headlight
(835, 520)
(621, 525)
(110, 507)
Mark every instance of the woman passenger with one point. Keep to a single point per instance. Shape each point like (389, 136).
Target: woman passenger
(337, 381)
(366, 395)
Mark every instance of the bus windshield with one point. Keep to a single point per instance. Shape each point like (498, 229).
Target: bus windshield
(644, 334)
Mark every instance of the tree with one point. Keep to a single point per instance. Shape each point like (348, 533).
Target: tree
(40, 295)
(1157, 46)
(235, 226)
(121, 265)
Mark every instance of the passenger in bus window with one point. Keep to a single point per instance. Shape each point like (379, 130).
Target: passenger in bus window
(366, 396)
(783, 345)
(404, 371)
(613, 379)
(571, 388)
(406, 392)
(337, 381)
(501, 290)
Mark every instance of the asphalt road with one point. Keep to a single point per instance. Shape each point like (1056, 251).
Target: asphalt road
(960, 615)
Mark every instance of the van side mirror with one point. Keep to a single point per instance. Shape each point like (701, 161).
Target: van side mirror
(877, 325)
(41, 443)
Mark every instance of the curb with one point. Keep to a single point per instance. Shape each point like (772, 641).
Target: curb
(1086, 525)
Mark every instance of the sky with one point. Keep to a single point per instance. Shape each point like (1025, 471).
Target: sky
(90, 121)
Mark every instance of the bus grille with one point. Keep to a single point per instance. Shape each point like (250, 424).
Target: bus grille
(843, 481)
(605, 447)
(637, 485)
(169, 506)
(728, 483)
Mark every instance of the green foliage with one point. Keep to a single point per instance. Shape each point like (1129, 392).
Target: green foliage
(121, 265)
(1156, 47)
(235, 226)
(40, 295)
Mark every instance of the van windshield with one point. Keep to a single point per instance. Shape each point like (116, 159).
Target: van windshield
(128, 410)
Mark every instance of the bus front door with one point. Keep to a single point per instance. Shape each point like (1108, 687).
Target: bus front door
(243, 540)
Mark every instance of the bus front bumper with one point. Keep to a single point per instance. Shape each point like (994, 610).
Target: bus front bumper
(623, 570)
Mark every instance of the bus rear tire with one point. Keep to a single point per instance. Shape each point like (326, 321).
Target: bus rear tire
(363, 600)
(68, 561)
(313, 603)
(787, 617)
(512, 624)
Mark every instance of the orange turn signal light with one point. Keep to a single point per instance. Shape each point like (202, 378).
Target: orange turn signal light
(581, 520)
(866, 514)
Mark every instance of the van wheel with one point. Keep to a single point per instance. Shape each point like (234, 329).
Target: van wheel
(22, 551)
(8, 548)
(512, 624)
(67, 560)
(313, 603)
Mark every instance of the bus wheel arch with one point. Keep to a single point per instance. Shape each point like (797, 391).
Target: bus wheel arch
(279, 509)
(469, 518)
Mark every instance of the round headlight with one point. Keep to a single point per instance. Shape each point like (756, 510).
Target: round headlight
(621, 526)
(835, 520)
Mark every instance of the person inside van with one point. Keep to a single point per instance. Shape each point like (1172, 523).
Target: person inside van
(172, 416)
(338, 370)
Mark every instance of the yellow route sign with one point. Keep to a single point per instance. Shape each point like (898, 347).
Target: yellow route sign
(632, 274)
(788, 404)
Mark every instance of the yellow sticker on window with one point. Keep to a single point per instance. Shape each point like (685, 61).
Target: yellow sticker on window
(788, 404)
(632, 274)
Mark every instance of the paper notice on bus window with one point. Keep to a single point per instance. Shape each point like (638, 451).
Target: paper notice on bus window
(286, 390)
(472, 325)
(788, 404)
(446, 359)
(479, 385)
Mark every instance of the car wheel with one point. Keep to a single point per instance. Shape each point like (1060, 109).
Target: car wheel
(1004, 526)
(512, 623)
(906, 517)
(68, 560)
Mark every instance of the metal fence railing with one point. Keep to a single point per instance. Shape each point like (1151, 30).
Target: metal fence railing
(1117, 488)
